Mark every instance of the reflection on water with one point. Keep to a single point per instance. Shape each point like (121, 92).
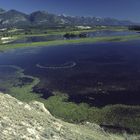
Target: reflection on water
(105, 73)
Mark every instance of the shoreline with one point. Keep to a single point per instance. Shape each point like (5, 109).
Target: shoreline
(6, 47)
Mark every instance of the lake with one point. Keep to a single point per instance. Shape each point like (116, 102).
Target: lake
(98, 74)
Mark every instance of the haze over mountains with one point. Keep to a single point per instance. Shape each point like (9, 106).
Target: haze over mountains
(19, 19)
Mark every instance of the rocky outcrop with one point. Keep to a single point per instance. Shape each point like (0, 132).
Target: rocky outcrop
(22, 121)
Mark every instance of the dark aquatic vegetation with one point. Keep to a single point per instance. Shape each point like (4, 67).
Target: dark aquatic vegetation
(46, 92)
(75, 36)
(23, 81)
(70, 35)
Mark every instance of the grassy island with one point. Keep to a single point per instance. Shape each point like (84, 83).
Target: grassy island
(5, 47)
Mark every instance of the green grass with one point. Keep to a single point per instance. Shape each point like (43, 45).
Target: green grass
(64, 42)
(25, 92)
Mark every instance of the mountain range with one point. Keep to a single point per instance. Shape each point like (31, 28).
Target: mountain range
(18, 19)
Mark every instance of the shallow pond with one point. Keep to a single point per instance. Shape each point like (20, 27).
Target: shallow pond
(98, 74)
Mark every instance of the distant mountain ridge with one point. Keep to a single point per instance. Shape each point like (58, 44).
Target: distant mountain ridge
(16, 19)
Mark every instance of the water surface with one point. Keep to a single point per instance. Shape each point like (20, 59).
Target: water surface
(105, 73)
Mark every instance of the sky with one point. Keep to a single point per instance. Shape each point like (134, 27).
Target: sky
(120, 9)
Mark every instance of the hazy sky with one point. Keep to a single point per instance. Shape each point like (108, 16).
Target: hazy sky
(121, 9)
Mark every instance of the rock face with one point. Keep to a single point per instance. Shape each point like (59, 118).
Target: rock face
(22, 121)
